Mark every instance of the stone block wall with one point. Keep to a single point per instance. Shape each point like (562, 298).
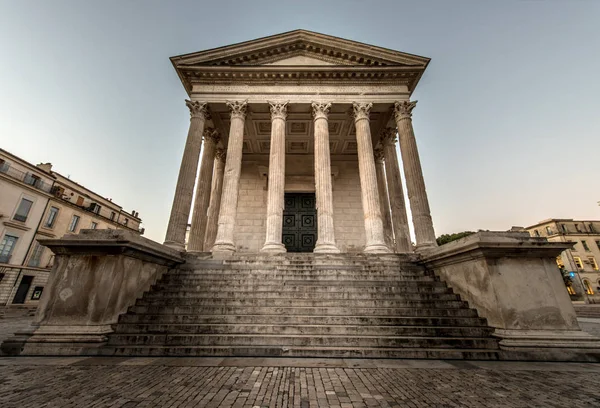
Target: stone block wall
(349, 224)
(11, 274)
(250, 226)
(348, 215)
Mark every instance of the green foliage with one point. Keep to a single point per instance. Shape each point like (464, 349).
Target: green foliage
(445, 238)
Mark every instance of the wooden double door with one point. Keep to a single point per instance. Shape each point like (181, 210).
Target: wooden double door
(299, 222)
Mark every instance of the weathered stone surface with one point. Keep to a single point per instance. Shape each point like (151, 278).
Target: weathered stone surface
(215, 199)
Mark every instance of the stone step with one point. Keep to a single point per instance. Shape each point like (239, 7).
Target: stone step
(196, 296)
(306, 284)
(299, 289)
(315, 352)
(300, 340)
(160, 309)
(295, 277)
(291, 329)
(290, 302)
(303, 319)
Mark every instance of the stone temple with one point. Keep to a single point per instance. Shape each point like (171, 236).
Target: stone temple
(299, 241)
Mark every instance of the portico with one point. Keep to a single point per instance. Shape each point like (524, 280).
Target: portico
(300, 113)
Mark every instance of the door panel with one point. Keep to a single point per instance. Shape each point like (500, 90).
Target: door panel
(21, 294)
(299, 222)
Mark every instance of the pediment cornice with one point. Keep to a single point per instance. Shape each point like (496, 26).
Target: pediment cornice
(342, 60)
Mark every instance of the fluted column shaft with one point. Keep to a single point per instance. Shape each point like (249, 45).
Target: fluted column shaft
(276, 185)
(384, 202)
(203, 187)
(394, 182)
(215, 199)
(415, 184)
(182, 202)
(224, 242)
(323, 188)
(368, 181)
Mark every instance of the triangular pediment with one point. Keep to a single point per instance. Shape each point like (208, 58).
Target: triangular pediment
(300, 47)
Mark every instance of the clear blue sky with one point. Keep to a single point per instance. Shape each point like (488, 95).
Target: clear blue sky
(508, 121)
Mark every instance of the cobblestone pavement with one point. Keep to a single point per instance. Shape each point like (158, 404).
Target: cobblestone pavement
(270, 382)
(236, 382)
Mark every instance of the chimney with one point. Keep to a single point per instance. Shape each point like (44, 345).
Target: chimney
(47, 167)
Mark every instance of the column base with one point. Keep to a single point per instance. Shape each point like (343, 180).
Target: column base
(225, 248)
(273, 248)
(377, 249)
(326, 249)
(178, 246)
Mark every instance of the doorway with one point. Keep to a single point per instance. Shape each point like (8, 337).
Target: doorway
(299, 222)
(24, 286)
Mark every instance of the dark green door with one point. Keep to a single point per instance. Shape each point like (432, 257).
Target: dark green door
(299, 222)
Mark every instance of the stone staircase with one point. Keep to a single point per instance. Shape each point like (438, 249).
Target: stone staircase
(303, 305)
(589, 311)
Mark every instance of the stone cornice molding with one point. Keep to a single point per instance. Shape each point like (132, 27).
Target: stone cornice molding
(388, 136)
(211, 135)
(220, 154)
(320, 110)
(278, 110)
(197, 109)
(238, 109)
(403, 110)
(361, 111)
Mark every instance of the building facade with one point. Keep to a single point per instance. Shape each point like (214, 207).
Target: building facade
(298, 134)
(582, 261)
(36, 203)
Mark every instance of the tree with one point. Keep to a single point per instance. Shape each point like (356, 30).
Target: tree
(445, 238)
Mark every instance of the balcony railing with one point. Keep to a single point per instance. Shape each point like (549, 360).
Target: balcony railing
(26, 178)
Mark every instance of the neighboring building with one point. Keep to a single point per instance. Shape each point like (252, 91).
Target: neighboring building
(37, 203)
(583, 260)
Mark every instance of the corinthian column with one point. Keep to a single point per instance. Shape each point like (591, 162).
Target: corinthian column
(180, 211)
(323, 191)
(394, 182)
(383, 197)
(199, 217)
(215, 199)
(415, 184)
(231, 181)
(368, 181)
(276, 179)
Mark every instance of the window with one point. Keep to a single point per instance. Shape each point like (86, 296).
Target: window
(36, 255)
(588, 287)
(94, 225)
(4, 166)
(560, 263)
(548, 230)
(23, 210)
(570, 289)
(126, 221)
(95, 208)
(37, 293)
(593, 262)
(592, 228)
(598, 244)
(577, 228)
(578, 262)
(585, 245)
(112, 216)
(32, 179)
(74, 222)
(6, 247)
(564, 229)
(51, 217)
(536, 233)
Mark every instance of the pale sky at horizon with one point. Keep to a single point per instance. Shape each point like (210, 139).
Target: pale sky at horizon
(508, 120)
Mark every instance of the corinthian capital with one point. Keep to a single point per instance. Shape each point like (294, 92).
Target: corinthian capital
(197, 109)
(220, 154)
(212, 135)
(403, 110)
(278, 110)
(320, 110)
(378, 151)
(238, 109)
(361, 110)
(388, 136)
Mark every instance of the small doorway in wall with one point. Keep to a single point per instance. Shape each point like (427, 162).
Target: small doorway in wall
(24, 286)
(299, 222)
